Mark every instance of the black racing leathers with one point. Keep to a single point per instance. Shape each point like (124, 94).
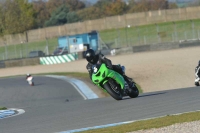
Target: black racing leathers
(99, 59)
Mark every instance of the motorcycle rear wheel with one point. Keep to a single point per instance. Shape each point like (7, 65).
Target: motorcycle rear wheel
(197, 83)
(114, 90)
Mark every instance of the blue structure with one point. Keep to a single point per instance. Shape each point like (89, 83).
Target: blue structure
(90, 39)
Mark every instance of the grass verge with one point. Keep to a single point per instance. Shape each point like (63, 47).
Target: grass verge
(3, 108)
(70, 74)
(148, 124)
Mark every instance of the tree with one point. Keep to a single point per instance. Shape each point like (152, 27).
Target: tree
(62, 15)
(27, 15)
(172, 5)
(75, 5)
(58, 17)
(52, 6)
(17, 16)
(118, 7)
(72, 17)
(90, 13)
(2, 19)
(141, 6)
(103, 3)
(147, 5)
(42, 13)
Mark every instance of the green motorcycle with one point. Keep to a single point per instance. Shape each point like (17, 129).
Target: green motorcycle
(112, 82)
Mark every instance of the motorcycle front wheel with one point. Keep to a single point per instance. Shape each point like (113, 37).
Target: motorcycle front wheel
(113, 89)
(133, 92)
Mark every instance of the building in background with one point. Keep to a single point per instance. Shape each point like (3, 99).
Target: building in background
(79, 42)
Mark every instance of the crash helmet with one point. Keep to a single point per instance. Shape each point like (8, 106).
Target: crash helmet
(90, 55)
(28, 74)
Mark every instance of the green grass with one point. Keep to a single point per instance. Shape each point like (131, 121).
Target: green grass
(148, 124)
(3, 108)
(22, 50)
(71, 74)
(153, 33)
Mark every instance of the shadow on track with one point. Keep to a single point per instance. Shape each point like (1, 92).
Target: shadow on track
(145, 95)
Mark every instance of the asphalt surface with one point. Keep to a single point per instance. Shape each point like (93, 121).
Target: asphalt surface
(54, 105)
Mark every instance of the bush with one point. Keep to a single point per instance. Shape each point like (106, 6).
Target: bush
(3, 108)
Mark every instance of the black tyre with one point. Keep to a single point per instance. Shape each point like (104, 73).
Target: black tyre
(133, 92)
(113, 89)
(197, 83)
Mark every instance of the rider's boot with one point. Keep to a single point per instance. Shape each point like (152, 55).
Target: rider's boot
(128, 80)
(126, 86)
(197, 81)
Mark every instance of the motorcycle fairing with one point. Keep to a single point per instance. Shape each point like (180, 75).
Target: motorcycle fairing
(102, 73)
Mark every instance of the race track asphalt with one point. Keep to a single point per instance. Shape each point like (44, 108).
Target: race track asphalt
(54, 105)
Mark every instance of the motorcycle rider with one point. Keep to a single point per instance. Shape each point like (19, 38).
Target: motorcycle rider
(28, 75)
(99, 58)
(29, 79)
(197, 74)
